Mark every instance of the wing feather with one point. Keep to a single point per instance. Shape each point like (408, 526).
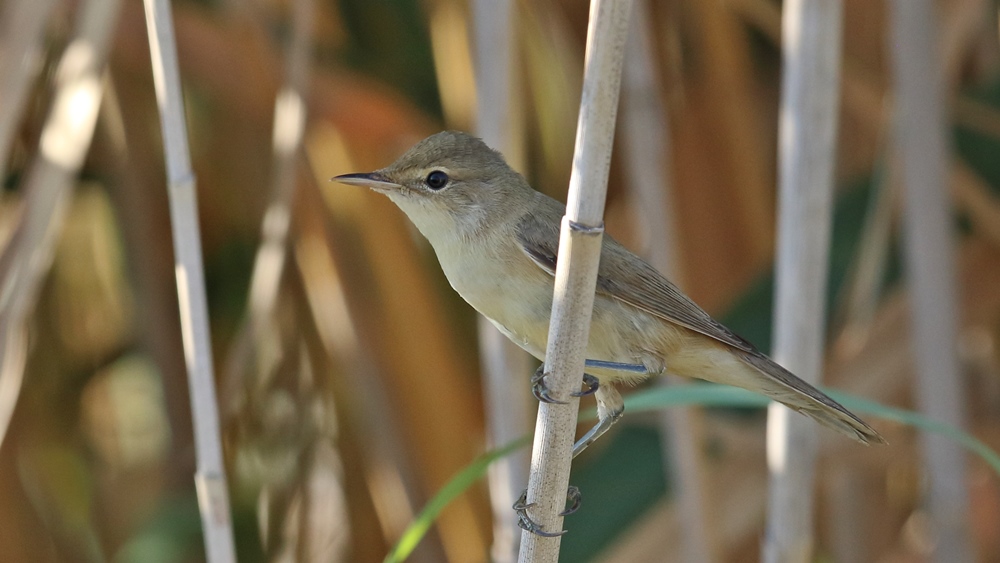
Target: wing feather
(627, 278)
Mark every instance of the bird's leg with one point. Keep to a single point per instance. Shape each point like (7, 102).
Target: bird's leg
(526, 523)
(617, 366)
(610, 408)
(541, 391)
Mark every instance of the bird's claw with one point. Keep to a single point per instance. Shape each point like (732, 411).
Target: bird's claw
(575, 499)
(526, 523)
(541, 391)
(592, 383)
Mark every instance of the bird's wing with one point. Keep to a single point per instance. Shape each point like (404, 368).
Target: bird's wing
(627, 278)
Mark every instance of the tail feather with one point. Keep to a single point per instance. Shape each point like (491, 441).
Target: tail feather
(798, 395)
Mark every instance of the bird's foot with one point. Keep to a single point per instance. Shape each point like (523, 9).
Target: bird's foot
(592, 383)
(525, 522)
(575, 500)
(541, 391)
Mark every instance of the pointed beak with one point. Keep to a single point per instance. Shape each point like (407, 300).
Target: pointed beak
(372, 180)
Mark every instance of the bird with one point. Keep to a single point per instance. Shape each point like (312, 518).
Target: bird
(497, 238)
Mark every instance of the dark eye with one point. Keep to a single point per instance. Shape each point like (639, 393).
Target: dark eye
(437, 180)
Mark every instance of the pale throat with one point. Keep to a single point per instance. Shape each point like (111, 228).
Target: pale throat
(440, 226)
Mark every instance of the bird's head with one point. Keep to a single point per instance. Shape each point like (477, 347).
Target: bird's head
(449, 184)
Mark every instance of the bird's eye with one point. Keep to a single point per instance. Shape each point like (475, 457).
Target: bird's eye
(436, 180)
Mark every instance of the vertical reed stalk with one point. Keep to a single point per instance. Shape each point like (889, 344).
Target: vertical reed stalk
(272, 255)
(921, 148)
(289, 126)
(210, 476)
(576, 274)
(811, 44)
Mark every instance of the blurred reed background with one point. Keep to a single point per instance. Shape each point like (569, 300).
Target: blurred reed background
(348, 373)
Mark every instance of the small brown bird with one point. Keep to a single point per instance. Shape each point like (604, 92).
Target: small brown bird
(497, 239)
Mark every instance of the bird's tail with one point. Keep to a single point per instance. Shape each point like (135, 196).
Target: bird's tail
(784, 387)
